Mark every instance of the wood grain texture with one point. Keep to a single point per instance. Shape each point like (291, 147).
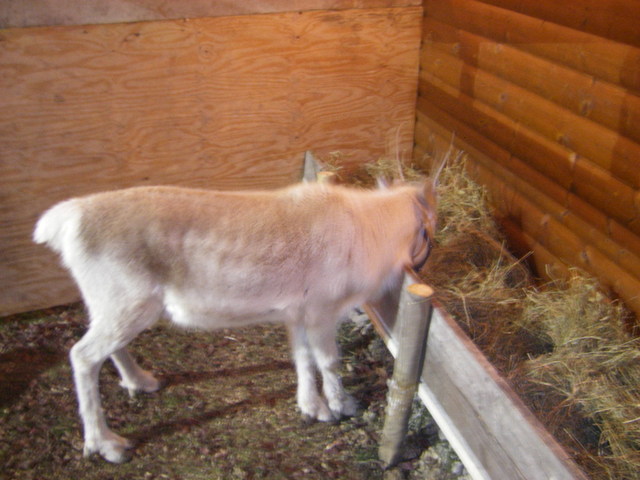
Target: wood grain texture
(495, 433)
(613, 19)
(536, 222)
(595, 227)
(550, 158)
(567, 245)
(412, 325)
(217, 102)
(609, 105)
(18, 13)
(604, 59)
(549, 111)
(460, 375)
(527, 126)
(543, 114)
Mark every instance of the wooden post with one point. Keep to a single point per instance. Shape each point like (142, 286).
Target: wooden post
(326, 177)
(313, 170)
(414, 316)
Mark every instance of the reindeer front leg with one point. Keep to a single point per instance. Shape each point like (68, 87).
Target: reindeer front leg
(311, 404)
(322, 340)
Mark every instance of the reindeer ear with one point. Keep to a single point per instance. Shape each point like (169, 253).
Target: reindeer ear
(432, 181)
(436, 169)
(438, 166)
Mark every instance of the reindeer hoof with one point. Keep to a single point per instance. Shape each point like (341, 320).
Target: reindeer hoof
(146, 383)
(114, 448)
(318, 410)
(349, 406)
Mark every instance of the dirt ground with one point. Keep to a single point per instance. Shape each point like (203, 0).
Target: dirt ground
(227, 409)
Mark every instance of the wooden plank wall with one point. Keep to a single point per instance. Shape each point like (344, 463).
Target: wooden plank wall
(544, 96)
(219, 102)
(21, 13)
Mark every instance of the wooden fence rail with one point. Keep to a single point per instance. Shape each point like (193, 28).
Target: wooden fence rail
(492, 431)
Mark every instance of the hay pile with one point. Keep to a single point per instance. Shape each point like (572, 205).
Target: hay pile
(562, 346)
(593, 370)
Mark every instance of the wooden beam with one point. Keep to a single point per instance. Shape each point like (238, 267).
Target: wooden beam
(20, 14)
(412, 327)
(604, 59)
(613, 19)
(557, 233)
(551, 159)
(608, 104)
(613, 151)
(562, 242)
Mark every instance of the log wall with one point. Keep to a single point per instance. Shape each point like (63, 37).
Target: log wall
(223, 102)
(544, 96)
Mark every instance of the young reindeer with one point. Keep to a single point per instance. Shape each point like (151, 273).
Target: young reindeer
(304, 255)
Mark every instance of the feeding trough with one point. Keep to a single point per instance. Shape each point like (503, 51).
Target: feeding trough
(490, 428)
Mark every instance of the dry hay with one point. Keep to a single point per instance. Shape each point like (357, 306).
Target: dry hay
(594, 367)
(387, 168)
(563, 346)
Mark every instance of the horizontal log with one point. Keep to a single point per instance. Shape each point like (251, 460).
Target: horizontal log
(611, 61)
(548, 158)
(430, 147)
(590, 224)
(530, 218)
(617, 252)
(561, 242)
(556, 243)
(624, 237)
(605, 103)
(610, 151)
(598, 192)
(599, 188)
(18, 13)
(532, 183)
(427, 113)
(613, 19)
(478, 146)
(564, 238)
(544, 265)
(620, 281)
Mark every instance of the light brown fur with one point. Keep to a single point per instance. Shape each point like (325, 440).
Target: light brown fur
(304, 255)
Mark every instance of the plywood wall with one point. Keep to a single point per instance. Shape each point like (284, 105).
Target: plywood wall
(19, 13)
(545, 98)
(226, 102)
